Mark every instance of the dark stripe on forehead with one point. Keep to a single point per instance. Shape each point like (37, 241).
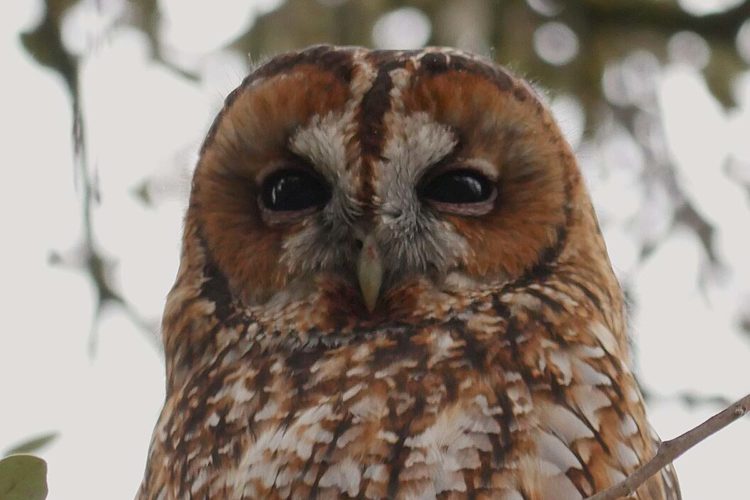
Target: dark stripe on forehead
(375, 104)
(337, 61)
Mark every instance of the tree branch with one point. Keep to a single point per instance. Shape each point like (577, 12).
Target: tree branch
(670, 450)
(666, 17)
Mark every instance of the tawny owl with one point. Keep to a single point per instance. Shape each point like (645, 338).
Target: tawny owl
(393, 285)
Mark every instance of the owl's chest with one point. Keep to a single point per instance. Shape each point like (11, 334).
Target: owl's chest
(388, 433)
(432, 415)
(444, 410)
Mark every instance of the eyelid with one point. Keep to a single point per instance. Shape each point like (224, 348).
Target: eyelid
(471, 209)
(479, 165)
(484, 167)
(286, 164)
(278, 218)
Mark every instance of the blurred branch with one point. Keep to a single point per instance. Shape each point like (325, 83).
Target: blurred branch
(146, 17)
(45, 45)
(744, 324)
(670, 450)
(688, 216)
(641, 17)
(663, 16)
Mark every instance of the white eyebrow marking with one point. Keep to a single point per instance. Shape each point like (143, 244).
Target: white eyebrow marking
(418, 143)
(326, 140)
(322, 141)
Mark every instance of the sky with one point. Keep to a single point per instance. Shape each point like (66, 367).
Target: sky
(145, 123)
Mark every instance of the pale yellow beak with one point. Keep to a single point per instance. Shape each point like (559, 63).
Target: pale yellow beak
(370, 272)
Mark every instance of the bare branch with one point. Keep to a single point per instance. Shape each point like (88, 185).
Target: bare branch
(670, 450)
(666, 17)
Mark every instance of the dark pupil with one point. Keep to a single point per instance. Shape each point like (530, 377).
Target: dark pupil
(290, 191)
(460, 186)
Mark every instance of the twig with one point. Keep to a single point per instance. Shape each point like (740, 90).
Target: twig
(670, 450)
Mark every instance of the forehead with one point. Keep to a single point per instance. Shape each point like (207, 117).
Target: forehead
(342, 103)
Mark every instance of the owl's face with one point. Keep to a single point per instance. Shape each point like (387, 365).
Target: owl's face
(347, 180)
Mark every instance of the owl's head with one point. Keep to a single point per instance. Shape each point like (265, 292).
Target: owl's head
(358, 183)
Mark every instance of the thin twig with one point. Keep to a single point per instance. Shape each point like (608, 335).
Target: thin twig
(670, 450)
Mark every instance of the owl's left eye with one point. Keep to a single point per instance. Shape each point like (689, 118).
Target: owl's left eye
(293, 191)
(461, 191)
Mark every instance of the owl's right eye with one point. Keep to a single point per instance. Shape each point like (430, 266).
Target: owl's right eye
(293, 191)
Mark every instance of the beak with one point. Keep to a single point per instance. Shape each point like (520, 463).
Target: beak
(370, 271)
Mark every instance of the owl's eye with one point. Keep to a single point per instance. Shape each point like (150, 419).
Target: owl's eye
(293, 191)
(458, 190)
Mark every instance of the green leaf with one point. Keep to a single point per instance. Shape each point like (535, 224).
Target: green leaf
(33, 444)
(23, 477)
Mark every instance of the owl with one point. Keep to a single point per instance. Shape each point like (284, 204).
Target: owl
(393, 285)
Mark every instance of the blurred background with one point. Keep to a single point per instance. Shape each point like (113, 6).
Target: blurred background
(103, 109)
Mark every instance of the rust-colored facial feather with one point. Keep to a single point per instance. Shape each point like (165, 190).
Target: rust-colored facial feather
(252, 136)
(497, 126)
(438, 319)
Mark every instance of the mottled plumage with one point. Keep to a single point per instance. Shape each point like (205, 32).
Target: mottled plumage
(434, 316)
